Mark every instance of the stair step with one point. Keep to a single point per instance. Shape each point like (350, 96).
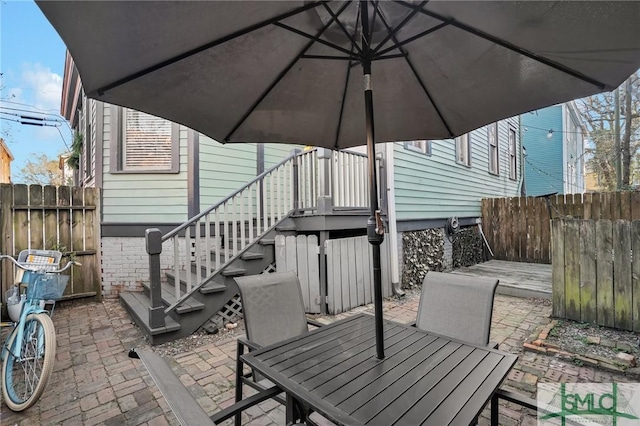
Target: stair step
(138, 306)
(234, 272)
(250, 255)
(212, 287)
(267, 241)
(169, 298)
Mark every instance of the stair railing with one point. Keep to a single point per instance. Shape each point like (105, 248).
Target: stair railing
(201, 247)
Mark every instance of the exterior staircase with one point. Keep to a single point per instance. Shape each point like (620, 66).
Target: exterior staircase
(196, 310)
(191, 268)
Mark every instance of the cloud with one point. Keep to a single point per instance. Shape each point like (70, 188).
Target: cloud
(46, 86)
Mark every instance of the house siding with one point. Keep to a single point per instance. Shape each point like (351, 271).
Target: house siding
(142, 197)
(436, 186)
(274, 153)
(544, 160)
(224, 169)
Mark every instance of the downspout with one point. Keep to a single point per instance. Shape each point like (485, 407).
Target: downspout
(522, 189)
(391, 217)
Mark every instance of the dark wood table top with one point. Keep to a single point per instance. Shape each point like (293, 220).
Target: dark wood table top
(424, 378)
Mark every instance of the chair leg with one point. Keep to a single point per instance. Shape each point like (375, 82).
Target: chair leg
(494, 410)
(239, 373)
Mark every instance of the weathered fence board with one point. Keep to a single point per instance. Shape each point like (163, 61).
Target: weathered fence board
(518, 228)
(53, 218)
(635, 273)
(587, 263)
(300, 255)
(350, 273)
(622, 292)
(557, 287)
(604, 274)
(595, 274)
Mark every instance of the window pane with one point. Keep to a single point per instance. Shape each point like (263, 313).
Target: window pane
(147, 142)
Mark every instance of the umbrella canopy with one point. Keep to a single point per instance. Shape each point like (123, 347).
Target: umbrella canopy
(292, 71)
(283, 71)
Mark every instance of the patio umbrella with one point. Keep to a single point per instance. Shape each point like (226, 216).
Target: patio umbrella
(306, 71)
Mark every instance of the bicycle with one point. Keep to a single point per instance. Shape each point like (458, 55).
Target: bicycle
(29, 351)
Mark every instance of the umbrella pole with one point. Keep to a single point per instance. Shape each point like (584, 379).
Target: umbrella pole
(375, 227)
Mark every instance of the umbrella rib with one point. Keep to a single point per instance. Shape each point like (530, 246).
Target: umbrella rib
(282, 74)
(510, 46)
(392, 33)
(100, 91)
(310, 37)
(410, 39)
(344, 93)
(415, 73)
(338, 58)
(342, 27)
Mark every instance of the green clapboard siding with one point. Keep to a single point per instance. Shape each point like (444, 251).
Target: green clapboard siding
(435, 186)
(143, 197)
(224, 169)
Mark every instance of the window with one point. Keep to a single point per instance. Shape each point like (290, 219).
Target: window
(144, 144)
(423, 146)
(463, 150)
(494, 153)
(88, 144)
(513, 162)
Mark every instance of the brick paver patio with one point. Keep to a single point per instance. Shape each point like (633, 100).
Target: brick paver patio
(95, 382)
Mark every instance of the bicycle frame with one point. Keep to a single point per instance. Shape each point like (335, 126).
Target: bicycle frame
(30, 306)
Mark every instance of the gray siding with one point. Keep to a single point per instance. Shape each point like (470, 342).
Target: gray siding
(435, 186)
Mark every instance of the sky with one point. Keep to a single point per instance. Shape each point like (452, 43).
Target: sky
(32, 65)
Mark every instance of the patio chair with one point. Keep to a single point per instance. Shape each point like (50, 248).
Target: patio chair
(457, 306)
(273, 311)
(461, 307)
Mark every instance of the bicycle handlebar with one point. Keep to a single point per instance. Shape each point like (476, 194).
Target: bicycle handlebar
(15, 262)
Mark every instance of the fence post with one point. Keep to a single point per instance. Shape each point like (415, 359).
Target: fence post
(325, 198)
(153, 239)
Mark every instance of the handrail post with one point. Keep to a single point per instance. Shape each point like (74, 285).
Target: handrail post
(296, 179)
(325, 197)
(153, 239)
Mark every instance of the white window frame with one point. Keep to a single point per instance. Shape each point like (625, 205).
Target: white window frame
(493, 148)
(421, 146)
(513, 158)
(463, 149)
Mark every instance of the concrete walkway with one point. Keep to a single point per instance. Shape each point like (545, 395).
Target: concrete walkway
(95, 382)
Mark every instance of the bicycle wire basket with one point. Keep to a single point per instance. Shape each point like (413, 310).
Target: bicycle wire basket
(45, 286)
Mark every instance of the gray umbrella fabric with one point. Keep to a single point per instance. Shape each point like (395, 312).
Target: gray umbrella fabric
(292, 71)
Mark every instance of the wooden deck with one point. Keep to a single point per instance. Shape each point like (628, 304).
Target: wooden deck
(516, 278)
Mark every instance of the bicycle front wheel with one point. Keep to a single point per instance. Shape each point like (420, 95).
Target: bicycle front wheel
(24, 377)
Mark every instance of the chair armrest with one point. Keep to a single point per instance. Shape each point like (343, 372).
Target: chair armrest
(242, 405)
(248, 343)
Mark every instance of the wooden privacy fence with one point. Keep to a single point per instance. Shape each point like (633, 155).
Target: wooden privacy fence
(518, 228)
(596, 271)
(53, 218)
(349, 272)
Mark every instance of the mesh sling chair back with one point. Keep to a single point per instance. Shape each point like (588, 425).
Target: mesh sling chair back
(457, 306)
(273, 311)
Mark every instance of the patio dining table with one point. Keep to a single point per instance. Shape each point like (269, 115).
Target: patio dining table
(425, 379)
